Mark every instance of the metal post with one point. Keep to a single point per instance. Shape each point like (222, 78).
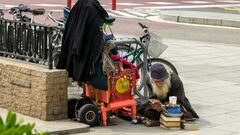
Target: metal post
(50, 57)
(69, 4)
(113, 4)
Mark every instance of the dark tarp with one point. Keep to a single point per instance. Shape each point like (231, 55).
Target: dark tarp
(82, 39)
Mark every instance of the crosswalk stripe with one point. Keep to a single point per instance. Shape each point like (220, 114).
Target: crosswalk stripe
(129, 4)
(186, 6)
(136, 13)
(161, 3)
(123, 14)
(7, 6)
(228, 1)
(197, 2)
(153, 13)
(55, 10)
(48, 5)
(111, 14)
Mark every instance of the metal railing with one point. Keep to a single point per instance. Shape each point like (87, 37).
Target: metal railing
(26, 41)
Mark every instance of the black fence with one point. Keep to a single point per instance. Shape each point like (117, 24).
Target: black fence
(26, 41)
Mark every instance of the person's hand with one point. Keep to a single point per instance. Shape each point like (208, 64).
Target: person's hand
(154, 101)
(158, 106)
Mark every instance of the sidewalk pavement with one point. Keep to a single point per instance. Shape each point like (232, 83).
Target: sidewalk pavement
(211, 76)
(200, 17)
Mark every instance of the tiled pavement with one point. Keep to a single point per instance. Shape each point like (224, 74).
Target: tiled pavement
(211, 77)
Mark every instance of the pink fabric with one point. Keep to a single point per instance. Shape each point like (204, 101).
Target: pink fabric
(126, 64)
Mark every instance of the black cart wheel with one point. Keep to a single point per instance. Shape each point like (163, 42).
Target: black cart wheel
(88, 114)
(80, 103)
(71, 108)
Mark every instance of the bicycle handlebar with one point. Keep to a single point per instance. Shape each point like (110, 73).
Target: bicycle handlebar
(144, 27)
(20, 8)
(24, 8)
(38, 11)
(146, 35)
(56, 21)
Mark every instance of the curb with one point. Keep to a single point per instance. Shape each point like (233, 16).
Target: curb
(205, 18)
(71, 131)
(57, 127)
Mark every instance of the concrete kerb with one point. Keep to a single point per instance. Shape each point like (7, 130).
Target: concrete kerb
(205, 18)
(57, 127)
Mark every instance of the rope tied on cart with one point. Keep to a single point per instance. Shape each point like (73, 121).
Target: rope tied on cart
(107, 65)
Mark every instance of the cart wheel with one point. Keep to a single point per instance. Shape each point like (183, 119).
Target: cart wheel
(71, 108)
(79, 104)
(88, 114)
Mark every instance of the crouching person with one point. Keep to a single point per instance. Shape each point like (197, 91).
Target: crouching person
(161, 86)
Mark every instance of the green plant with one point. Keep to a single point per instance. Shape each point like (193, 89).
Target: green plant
(13, 127)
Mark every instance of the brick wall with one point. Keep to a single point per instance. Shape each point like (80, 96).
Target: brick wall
(33, 90)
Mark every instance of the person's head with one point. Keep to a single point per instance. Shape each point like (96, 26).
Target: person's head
(160, 80)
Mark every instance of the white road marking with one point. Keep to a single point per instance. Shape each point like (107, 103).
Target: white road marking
(157, 19)
(129, 4)
(55, 10)
(135, 13)
(197, 2)
(161, 3)
(111, 14)
(228, 1)
(123, 14)
(48, 5)
(103, 5)
(186, 6)
(7, 6)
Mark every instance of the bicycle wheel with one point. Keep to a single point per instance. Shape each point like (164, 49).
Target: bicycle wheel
(56, 56)
(57, 42)
(169, 67)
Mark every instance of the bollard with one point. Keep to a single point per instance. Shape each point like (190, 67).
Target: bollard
(113, 4)
(69, 3)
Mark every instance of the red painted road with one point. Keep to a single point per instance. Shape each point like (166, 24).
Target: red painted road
(119, 27)
(122, 4)
(122, 26)
(130, 27)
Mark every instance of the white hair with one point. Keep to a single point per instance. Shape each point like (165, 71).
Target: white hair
(162, 91)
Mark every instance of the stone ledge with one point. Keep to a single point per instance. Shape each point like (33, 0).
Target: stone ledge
(33, 89)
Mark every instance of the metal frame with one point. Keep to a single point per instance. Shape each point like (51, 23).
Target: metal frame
(26, 41)
(133, 41)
